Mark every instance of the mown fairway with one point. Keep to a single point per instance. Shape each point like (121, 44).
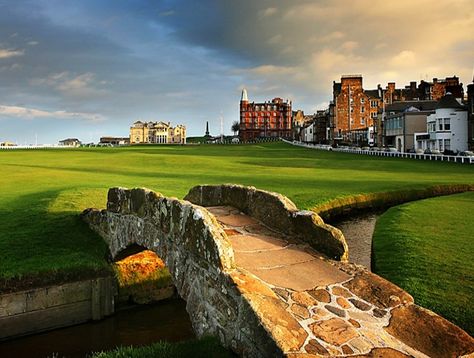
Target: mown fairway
(43, 191)
(427, 247)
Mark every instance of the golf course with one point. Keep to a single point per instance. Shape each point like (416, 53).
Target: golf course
(43, 240)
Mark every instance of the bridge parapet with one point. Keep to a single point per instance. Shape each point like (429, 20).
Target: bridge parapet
(275, 211)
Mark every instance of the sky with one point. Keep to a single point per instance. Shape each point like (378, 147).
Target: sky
(86, 69)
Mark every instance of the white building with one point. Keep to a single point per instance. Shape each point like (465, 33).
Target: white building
(307, 132)
(446, 127)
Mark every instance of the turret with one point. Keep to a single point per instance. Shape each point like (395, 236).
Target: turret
(244, 97)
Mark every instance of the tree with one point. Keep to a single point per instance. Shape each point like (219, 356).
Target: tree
(235, 127)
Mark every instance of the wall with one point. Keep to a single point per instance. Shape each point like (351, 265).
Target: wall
(41, 309)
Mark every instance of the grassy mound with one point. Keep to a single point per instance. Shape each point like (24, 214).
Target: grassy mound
(426, 248)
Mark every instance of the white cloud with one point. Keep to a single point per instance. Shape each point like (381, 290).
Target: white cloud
(269, 11)
(33, 113)
(83, 85)
(7, 53)
(33, 43)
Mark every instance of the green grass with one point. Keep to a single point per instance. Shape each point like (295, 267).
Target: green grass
(203, 348)
(426, 247)
(43, 191)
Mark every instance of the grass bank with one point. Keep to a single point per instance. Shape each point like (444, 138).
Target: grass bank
(203, 348)
(42, 192)
(426, 248)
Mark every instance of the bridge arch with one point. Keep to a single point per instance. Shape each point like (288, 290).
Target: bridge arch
(200, 259)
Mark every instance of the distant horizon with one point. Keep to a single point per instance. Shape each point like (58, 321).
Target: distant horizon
(90, 69)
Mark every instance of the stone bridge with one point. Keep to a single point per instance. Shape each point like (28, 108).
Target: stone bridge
(270, 280)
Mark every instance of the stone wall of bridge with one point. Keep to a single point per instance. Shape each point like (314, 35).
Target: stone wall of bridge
(221, 259)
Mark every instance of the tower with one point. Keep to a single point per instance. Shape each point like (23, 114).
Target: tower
(207, 135)
(244, 97)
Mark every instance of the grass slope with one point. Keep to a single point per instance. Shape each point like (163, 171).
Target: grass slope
(204, 348)
(43, 191)
(426, 247)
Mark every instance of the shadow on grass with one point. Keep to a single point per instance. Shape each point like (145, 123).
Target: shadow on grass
(39, 247)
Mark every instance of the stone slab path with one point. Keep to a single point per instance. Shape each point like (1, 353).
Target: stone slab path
(344, 312)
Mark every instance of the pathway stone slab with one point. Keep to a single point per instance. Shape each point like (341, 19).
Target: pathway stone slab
(302, 276)
(237, 220)
(256, 243)
(277, 258)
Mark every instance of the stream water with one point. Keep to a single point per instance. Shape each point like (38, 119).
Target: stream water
(139, 325)
(358, 232)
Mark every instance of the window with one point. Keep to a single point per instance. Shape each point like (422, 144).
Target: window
(447, 144)
(373, 104)
(362, 100)
(374, 114)
(362, 109)
(447, 124)
(362, 121)
(352, 110)
(440, 145)
(440, 124)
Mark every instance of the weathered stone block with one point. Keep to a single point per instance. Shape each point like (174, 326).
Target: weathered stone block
(429, 333)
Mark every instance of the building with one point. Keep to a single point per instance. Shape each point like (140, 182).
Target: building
(400, 125)
(355, 111)
(446, 127)
(266, 119)
(114, 141)
(7, 144)
(70, 142)
(157, 133)
(470, 110)
(439, 87)
(358, 115)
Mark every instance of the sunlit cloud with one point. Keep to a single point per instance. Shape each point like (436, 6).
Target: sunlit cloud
(7, 53)
(33, 113)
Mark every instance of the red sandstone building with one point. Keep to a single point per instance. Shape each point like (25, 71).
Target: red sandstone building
(355, 110)
(263, 120)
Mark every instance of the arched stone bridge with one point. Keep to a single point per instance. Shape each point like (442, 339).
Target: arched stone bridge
(270, 280)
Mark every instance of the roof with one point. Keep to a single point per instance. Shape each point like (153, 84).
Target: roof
(372, 93)
(402, 106)
(448, 101)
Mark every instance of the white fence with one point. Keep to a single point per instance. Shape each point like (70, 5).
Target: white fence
(34, 147)
(432, 157)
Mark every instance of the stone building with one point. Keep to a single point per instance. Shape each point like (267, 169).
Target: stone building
(157, 133)
(439, 87)
(266, 119)
(355, 110)
(359, 114)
